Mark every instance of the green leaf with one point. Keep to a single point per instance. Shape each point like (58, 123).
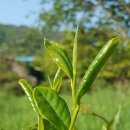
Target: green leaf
(95, 67)
(29, 92)
(52, 107)
(59, 56)
(57, 80)
(47, 126)
(75, 52)
(50, 82)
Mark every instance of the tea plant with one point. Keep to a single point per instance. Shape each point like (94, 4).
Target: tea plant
(52, 111)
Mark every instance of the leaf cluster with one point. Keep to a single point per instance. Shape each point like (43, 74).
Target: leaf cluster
(52, 110)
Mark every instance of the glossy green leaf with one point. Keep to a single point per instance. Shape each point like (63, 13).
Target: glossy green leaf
(29, 92)
(48, 125)
(52, 107)
(59, 56)
(57, 80)
(95, 67)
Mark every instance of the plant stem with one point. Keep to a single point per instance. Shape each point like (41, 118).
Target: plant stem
(75, 112)
(73, 82)
(74, 64)
(73, 87)
(101, 117)
(40, 123)
(75, 107)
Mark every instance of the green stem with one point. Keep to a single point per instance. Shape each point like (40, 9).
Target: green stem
(101, 117)
(73, 83)
(75, 112)
(75, 106)
(73, 87)
(40, 123)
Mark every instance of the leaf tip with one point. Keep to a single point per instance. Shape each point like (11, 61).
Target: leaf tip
(115, 41)
(21, 81)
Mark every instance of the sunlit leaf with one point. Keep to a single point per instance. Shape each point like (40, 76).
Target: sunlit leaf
(29, 92)
(75, 52)
(52, 107)
(50, 82)
(95, 67)
(59, 56)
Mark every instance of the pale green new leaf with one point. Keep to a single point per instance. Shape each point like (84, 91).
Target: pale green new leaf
(50, 82)
(52, 107)
(29, 92)
(59, 56)
(75, 52)
(57, 80)
(95, 67)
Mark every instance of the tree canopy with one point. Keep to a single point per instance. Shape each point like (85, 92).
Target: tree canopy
(59, 14)
(99, 21)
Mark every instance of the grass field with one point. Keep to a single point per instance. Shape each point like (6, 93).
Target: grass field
(16, 112)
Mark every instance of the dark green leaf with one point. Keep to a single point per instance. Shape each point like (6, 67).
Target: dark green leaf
(95, 67)
(59, 56)
(52, 107)
(40, 123)
(48, 125)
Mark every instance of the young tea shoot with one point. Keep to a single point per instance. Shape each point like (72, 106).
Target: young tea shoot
(51, 109)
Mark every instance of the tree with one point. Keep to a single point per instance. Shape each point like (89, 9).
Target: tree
(99, 20)
(67, 13)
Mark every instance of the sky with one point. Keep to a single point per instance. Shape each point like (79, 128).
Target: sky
(19, 12)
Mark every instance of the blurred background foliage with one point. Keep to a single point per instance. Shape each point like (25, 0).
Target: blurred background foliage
(99, 21)
(22, 55)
